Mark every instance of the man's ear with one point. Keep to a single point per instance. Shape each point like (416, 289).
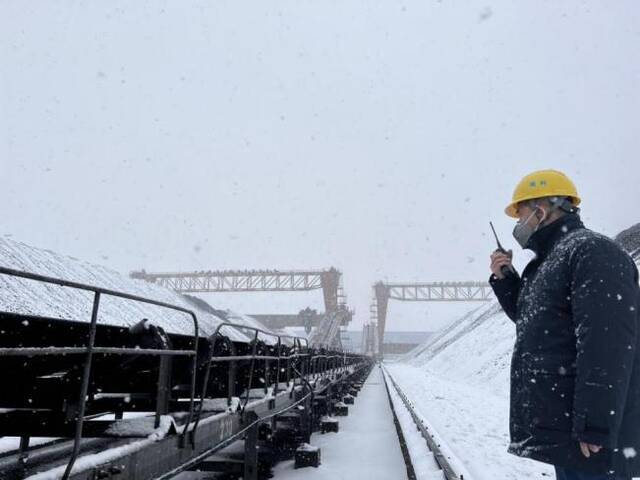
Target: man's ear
(541, 213)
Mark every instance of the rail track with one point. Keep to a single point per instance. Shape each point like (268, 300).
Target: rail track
(433, 459)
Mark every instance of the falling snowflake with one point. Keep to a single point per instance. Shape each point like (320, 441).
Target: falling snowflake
(484, 15)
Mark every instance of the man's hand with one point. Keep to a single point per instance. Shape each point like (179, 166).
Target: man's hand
(588, 448)
(499, 260)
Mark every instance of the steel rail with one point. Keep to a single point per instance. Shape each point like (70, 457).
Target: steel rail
(442, 461)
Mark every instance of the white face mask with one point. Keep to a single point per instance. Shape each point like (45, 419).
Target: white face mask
(522, 231)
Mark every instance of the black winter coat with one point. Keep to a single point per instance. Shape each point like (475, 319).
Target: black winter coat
(575, 370)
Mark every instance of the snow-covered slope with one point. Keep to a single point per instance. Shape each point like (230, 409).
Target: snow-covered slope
(35, 298)
(475, 350)
(629, 239)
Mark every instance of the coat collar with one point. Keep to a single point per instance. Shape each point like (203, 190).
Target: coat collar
(544, 239)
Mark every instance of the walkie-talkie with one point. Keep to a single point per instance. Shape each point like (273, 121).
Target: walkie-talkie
(507, 270)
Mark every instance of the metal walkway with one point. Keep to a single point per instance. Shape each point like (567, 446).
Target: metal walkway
(366, 447)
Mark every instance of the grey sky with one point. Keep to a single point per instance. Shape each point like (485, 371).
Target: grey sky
(377, 137)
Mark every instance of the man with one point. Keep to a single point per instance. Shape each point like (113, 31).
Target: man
(575, 370)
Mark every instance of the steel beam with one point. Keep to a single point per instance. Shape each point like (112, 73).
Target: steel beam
(440, 291)
(259, 281)
(423, 292)
(246, 281)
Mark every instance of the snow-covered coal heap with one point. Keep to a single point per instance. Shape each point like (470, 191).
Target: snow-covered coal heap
(475, 349)
(35, 298)
(629, 239)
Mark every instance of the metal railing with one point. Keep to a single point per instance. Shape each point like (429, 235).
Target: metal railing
(326, 365)
(302, 362)
(90, 349)
(297, 343)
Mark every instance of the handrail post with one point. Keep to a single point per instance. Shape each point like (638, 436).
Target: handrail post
(163, 389)
(231, 378)
(267, 377)
(275, 390)
(289, 367)
(251, 368)
(194, 369)
(84, 388)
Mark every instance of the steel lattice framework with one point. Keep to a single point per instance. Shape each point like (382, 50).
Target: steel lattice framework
(440, 291)
(250, 281)
(219, 281)
(236, 281)
(423, 292)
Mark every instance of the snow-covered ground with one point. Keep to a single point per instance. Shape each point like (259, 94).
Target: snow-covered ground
(423, 461)
(473, 420)
(459, 382)
(366, 446)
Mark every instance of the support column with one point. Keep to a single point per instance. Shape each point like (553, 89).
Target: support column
(330, 281)
(382, 302)
(251, 453)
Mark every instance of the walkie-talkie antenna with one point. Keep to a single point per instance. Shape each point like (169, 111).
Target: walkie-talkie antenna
(500, 247)
(507, 270)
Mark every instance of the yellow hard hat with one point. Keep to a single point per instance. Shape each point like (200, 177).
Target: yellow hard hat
(543, 183)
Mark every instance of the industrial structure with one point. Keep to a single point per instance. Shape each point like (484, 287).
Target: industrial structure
(171, 395)
(141, 402)
(416, 292)
(327, 324)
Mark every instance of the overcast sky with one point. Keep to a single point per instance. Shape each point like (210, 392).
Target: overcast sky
(379, 137)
